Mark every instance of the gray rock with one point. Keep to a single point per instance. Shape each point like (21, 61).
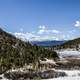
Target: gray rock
(31, 75)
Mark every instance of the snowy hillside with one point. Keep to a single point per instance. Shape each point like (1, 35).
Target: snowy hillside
(69, 53)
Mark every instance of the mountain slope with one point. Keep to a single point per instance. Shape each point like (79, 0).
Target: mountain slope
(72, 44)
(16, 53)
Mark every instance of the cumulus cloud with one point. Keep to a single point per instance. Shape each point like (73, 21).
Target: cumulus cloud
(36, 37)
(53, 31)
(47, 37)
(43, 29)
(25, 36)
(43, 33)
(77, 24)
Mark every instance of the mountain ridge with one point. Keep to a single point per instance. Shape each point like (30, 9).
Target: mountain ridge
(48, 43)
(72, 44)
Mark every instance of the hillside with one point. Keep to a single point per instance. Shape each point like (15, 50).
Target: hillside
(72, 44)
(16, 53)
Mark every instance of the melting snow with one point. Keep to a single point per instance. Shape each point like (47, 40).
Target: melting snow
(66, 53)
(72, 75)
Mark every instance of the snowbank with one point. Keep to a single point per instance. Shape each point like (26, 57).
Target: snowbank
(72, 75)
(66, 53)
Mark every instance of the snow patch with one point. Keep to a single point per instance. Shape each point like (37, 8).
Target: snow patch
(67, 53)
(72, 75)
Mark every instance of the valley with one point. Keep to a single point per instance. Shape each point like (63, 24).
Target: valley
(21, 60)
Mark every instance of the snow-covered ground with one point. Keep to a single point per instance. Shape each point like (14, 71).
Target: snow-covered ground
(66, 78)
(72, 75)
(66, 53)
(3, 78)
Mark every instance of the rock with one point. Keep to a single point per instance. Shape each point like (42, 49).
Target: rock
(32, 75)
(52, 74)
(0, 78)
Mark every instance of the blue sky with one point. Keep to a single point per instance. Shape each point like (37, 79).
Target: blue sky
(41, 19)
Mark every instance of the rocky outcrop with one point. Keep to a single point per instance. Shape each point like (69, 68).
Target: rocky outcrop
(31, 75)
(69, 63)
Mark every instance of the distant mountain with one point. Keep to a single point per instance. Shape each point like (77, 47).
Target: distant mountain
(48, 43)
(17, 53)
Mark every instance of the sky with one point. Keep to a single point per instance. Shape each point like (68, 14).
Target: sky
(41, 19)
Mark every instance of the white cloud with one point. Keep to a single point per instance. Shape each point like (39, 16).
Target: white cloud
(25, 36)
(44, 30)
(36, 37)
(45, 34)
(77, 24)
(42, 27)
(41, 31)
(53, 31)
(47, 37)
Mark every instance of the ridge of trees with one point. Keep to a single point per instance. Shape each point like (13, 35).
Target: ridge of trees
(72, 44)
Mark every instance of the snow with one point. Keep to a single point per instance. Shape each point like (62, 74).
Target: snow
(72, 75)
(70, 72)
(66, 53)
(48, 61)
(3, 78)
(65, 78)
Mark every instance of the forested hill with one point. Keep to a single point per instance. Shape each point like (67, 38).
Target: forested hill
(15, 53)
(72, 44)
